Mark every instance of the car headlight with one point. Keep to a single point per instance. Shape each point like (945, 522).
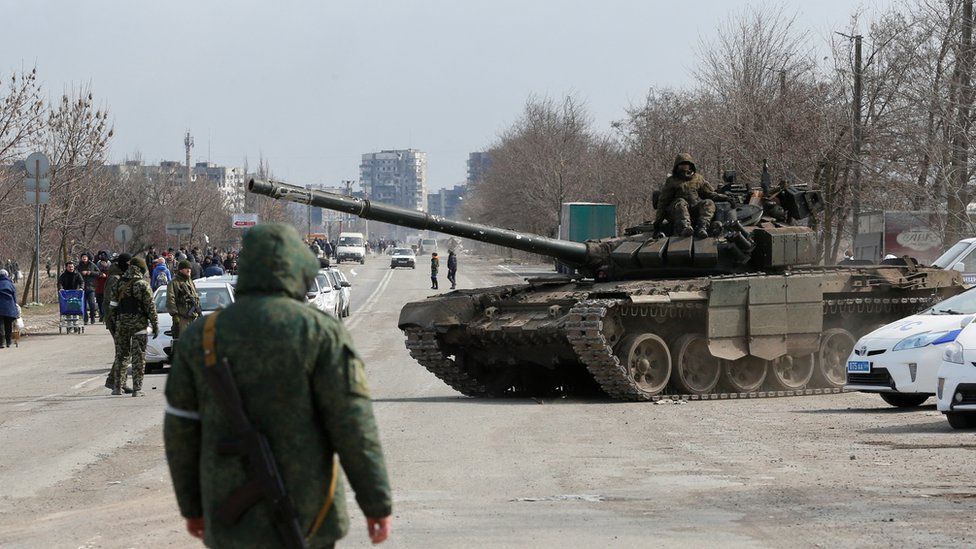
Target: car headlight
(927, 338)
(953, 353)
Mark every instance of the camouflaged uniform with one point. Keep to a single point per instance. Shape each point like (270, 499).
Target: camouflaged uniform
(302, 386)
(683, 200)
(114, 274)
(182, 302)
(133, 311)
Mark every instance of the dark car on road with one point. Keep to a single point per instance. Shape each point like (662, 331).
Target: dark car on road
(403, 257)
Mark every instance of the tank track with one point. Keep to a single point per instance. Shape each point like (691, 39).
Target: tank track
(424, 349)
(584, 330)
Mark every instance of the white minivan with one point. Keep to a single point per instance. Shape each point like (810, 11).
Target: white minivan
(352, 247)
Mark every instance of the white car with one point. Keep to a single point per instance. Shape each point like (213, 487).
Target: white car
(403, 257)
(322, 295)
(956, 382)
(215, 293)
(345, 290)
(900, 361)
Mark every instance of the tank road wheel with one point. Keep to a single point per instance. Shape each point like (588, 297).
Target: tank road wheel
(836, 345)
(790, 373)
(696, 371)
(648, 362)
(745, 374)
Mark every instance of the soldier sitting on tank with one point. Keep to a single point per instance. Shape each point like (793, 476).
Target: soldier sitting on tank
(687, 200)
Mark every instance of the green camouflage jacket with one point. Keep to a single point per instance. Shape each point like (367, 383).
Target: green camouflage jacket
(132, 297)
(182, 299)
(302, 386)
(692, 190)
(114, 274)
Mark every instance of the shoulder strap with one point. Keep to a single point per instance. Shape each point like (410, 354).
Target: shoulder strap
(324, 511)
(210, 340)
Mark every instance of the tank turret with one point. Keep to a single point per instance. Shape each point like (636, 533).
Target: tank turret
(748, 240)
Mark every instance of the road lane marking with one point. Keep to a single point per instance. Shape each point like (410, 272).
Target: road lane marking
(380, 288)
(522, 276)
(76, 386)
(82, 384)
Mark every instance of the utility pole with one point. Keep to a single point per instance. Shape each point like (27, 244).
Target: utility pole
(188, 143)
(856, 133)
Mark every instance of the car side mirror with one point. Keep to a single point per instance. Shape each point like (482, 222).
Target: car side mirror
(345, 284)
(337, 287)
(960, 267)
(310, 295)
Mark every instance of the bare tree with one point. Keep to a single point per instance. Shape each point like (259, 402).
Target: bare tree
(546, 158)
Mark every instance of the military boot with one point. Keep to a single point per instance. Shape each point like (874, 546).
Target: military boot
(715, 228)
(138, 393)
(700, 232)
(683, 229)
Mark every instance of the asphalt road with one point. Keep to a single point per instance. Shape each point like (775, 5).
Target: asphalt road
(79, 468)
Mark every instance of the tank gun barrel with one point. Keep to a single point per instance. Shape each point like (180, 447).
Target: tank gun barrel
(574, 253)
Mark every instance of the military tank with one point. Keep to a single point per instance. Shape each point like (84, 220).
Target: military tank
(744, 313)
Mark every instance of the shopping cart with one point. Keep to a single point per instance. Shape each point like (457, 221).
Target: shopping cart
(71, 305)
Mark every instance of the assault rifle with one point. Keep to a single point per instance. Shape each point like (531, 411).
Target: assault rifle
(265, 480)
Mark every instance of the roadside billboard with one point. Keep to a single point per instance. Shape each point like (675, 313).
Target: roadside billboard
(915, 234)
(244, 220)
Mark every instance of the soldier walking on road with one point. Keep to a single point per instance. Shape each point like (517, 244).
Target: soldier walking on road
(182, 299)
(435, 265)
(452, 268)
(115, 272)
(302, 393)
(133, 311)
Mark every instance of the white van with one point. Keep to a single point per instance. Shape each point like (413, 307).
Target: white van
(427, 245)
(351, 246)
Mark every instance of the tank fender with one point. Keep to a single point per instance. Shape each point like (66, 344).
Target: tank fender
(439, 313)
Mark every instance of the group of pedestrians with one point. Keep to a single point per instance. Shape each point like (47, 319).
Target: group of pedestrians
(12, 267)
(435, 266)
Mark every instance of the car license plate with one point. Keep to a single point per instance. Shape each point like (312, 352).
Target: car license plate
(858, 367)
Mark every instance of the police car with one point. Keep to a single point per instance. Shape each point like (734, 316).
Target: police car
(956, 382)
(900, 361)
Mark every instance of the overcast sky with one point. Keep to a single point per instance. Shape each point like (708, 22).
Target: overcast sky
(312, 85)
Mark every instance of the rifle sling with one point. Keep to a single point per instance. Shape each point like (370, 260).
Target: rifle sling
(210, 340)
(324, 511)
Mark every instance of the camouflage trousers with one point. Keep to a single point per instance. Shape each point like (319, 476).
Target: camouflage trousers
(129, 345)
(680, 213)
